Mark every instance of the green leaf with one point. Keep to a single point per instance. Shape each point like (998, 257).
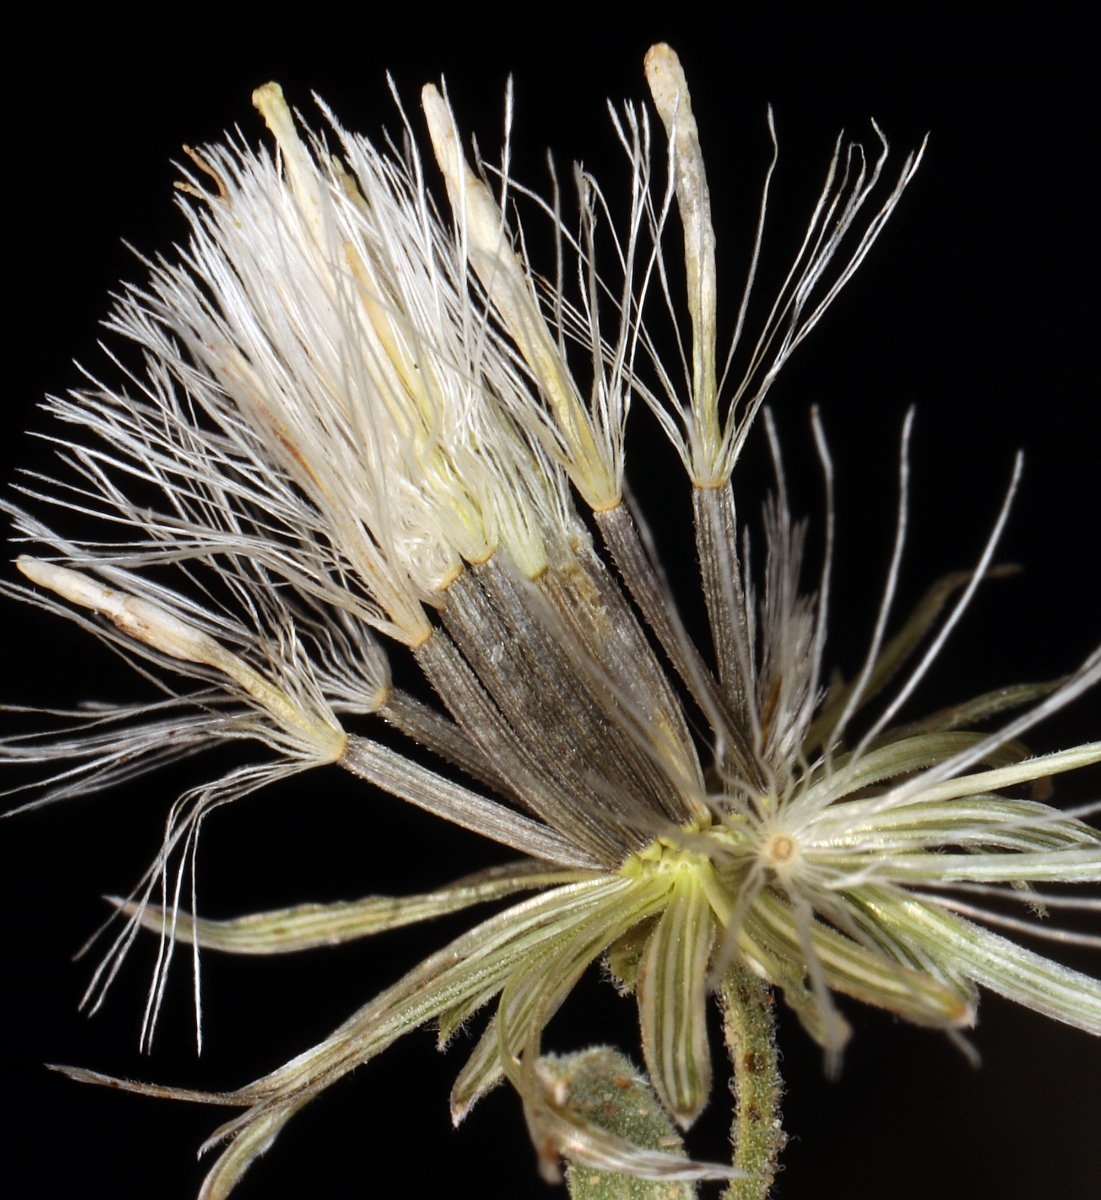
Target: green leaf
(307, 926)
(672, 999)
(867, 975)
(605, 1090)
(996, 962)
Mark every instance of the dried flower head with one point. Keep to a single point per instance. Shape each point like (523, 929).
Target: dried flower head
(368, 422)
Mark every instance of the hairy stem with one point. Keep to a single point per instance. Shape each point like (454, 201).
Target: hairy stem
(749, 1026)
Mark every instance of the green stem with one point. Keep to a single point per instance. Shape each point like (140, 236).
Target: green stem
(749, 1026)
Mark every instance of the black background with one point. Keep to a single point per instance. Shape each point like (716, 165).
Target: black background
(978, 306)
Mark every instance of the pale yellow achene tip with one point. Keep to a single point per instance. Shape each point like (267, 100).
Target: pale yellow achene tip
(139, 619)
